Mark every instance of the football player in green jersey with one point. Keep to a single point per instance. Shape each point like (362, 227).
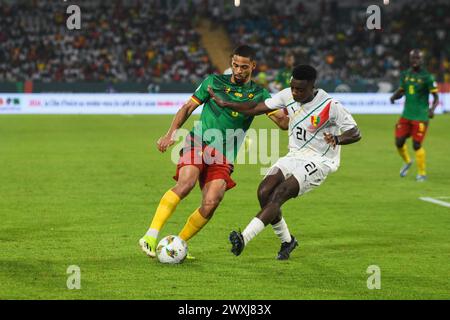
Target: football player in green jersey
(283, 77)
(211, 146)
(415, 84)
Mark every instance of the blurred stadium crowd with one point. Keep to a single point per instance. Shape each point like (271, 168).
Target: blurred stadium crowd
(119, 40)
(156, 41)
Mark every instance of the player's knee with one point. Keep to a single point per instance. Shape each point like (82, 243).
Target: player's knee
(183, 188)
(416, 145)
(211, 202)
(209, 206)
(279, 196)
(399, 143)
(263, 193)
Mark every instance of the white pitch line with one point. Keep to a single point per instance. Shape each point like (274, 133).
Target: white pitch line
(435, 201)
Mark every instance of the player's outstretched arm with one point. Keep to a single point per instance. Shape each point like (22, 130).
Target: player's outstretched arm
(249, 108)
(180, 118)
(397, 94)
(348, 137)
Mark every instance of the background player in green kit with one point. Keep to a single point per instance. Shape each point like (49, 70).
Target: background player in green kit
(415, 84)
(283, 77)
(210, 148)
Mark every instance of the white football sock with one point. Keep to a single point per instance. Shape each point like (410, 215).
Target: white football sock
(152, 233)
(253, 228)
(282, 231)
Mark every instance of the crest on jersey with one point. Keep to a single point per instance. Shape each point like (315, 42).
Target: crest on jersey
(315, 120)
(319, 120)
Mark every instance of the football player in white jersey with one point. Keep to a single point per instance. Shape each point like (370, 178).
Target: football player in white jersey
(318, 126)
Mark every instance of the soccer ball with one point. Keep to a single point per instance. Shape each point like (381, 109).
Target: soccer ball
(171, 249)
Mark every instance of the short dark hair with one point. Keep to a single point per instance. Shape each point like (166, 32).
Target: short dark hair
(245, 51)
(304, 72)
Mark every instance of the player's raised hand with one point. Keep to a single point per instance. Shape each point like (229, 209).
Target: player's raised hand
(164, 142)
(330, 139)
(217, 100)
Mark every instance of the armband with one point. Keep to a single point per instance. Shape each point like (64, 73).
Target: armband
(269, 113)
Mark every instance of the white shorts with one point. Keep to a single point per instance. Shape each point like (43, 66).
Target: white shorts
(308, 173)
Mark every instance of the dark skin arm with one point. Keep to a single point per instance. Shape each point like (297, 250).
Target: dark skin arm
(397, 94)
(280, 119)
(249, 108)
(434, 105)
(348, 137)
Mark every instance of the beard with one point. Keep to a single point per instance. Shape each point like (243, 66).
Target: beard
(240, 80)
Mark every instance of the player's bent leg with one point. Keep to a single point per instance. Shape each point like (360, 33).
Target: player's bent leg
(265, 190)
(213, 193)
(188, 176)
(283, 192)
(268, 185)
(286, 190)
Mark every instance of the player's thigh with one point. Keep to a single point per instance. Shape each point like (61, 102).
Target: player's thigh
(188, 176)
(270, 182)
(310, 174)
(286, 190)
(402, 129)
(419, 131)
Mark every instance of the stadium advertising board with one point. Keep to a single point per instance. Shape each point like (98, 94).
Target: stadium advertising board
(356, 103)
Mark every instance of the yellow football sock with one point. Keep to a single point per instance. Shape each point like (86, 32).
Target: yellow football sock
(165, 209)
(193, 225)
(420, 158)
(403, 151)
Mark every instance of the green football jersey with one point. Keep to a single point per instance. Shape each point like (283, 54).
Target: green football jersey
(284, 78)
(223, 128)
(417, 86)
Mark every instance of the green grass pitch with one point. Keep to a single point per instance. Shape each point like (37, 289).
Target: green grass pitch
(81, 190)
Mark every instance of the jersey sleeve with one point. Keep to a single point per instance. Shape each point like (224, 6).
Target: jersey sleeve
(432, 85)
(201, 94)
(278, 101)
(341, 117)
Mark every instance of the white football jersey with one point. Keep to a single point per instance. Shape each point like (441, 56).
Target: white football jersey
(308, 122)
